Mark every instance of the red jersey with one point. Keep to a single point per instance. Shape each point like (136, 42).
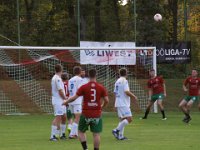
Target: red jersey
(193, 84)
(66, 88)
(92, 93)
(156, 84)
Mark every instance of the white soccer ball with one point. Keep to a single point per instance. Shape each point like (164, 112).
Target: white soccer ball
(157, 17)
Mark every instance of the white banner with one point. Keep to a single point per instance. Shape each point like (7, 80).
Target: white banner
(107, 57)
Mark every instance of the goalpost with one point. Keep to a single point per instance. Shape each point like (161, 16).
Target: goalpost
(25, 73)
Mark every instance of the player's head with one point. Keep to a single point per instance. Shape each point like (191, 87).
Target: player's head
(77, 70)
(152, 73)
(65, 76)
(194, 73)
(123, 72)
(58, 68)
(92, 73)
(82, 73)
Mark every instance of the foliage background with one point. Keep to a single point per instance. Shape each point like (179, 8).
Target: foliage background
(54, 23)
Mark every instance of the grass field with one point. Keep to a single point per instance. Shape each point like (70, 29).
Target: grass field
(32, 132)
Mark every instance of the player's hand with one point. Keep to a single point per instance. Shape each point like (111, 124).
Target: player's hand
(165, 95)
(185, 90)
(136, 98)
(65, 102)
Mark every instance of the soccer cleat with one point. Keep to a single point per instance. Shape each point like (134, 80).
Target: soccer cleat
(123, 138)
(73, 137)
(187, 119)
(54, 138)
(63, 137)
(164, 118)
(115, 133)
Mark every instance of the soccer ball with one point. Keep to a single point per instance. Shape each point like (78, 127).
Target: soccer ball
(157, 17)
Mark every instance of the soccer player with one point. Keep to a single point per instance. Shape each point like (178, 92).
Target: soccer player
(122, 103)
(69, 115)
(75, 106)
(191, 84)
(92, 93)
(157, 92)
(84, 76)
(58, 95)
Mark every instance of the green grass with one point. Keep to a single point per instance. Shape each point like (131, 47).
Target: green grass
(32, 132)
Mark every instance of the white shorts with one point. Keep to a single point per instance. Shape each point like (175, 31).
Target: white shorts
(124, 112)
(59, 109)
(76, 108)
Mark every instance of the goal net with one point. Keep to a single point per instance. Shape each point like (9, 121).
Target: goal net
(25, 73)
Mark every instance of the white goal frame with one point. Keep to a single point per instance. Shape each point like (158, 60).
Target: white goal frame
(90, 48)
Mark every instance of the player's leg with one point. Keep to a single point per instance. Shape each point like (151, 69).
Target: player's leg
(97, 139)
(63, 124)
(83, 140)
(149, 105)
(55, 127)
(77, 109)
(182, 106)
(124, 123)
(126, 117)
(83, 127)
(199, 106)
(160, 104)
(189, 106)
(115, 131)
(96, 127)
(69, 119)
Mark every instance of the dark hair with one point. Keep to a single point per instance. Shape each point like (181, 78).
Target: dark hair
(65, 76)
(58, 68)
(92, 73)
(123, 72)
(77, 70)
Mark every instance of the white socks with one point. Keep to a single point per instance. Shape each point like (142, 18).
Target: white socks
(121, 126)
(74, 130)
(63, 128)
(54, 131)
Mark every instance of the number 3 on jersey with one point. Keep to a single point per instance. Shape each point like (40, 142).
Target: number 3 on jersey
(93, 95)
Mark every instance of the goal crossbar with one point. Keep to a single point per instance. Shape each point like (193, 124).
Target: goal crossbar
(74, 48)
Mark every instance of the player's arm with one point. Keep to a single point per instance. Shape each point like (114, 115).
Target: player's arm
(131, 95)
(61, 93)
(69, 100)
(60, 89)
(185, 85)
(105, 101)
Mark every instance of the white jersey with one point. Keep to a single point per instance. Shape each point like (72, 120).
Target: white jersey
(85, 80)
(56, 85)
(121, 99)
(73, 85)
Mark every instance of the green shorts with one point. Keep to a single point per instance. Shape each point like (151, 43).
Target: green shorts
(95, 124)
(157, 97)
(69, 113)
(193, 98)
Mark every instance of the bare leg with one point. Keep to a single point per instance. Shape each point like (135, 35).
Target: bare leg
(82, 139)
(183, 107)
(160, 104)
(96, 137)
(148, 109)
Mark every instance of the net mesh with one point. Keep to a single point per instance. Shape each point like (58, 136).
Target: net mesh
(26, 75)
